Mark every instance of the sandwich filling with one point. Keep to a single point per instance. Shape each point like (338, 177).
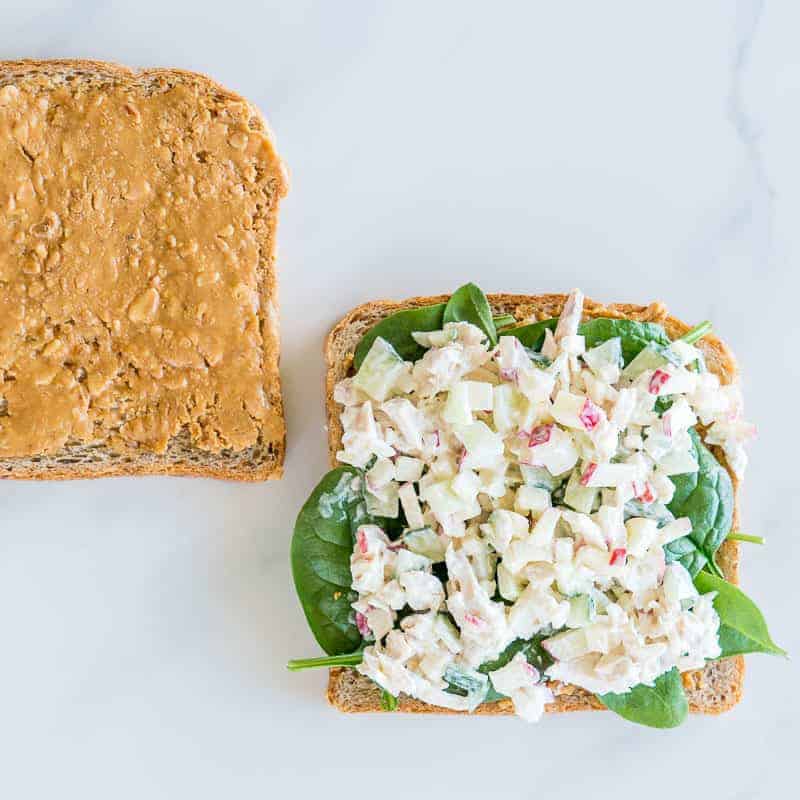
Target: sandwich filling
(530, 491)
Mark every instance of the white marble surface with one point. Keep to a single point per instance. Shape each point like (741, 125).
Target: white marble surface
(640, 150)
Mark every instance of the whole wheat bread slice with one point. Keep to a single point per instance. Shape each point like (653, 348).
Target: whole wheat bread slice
(712, 690)
(263, 458)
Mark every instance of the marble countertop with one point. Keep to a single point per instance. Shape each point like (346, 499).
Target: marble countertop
(640, 150)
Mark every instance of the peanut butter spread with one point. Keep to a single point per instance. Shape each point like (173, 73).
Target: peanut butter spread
(132, 295)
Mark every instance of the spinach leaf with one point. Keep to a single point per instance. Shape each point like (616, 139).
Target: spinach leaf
(397, 329)
(685, 551)
(468, 683)
(388, 701)
(532, 335)
(320, 554)
(697, 333)
(492, 695)
(742, 628)
(469, 304)
(503, 321)
(662, 705)
(664, 404)
(738, 536)
(346, 660)
(706, 498)
(532, 650)
(534, 654)
(635, 336)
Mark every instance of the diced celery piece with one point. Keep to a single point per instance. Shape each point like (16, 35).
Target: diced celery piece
(533, 499)
(540, 477)
(607, 354)
(568, 645)
(651, 357)
(379, 371)
(483, 446)
(656, 511)
(581, 498)
(457, 409)
(581, 611)
(426, 543)
(475, 684)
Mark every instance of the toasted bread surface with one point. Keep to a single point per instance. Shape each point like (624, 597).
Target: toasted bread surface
(715, 688)
(203, 397)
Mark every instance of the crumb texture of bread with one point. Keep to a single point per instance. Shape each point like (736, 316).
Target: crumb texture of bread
(138, 288)
(715, 688)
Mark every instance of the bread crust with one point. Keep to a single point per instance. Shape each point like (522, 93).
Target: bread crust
(61, 466)
(715, 688)
(262, 473)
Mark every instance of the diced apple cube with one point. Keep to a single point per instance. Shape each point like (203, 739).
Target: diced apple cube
(484, 447)
(532, 499)
(567, 409)
(457, 409)
(408, 469)
(568, 645)
(411, 508)
(612, 475)
(480, 394)
(642, 534)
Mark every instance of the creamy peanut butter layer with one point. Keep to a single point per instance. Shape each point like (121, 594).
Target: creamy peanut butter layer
(132, 296)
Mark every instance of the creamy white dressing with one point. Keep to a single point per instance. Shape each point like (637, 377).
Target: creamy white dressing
(470, 442)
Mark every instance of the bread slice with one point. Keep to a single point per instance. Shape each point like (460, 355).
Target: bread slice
(712, 690)
(207, 159)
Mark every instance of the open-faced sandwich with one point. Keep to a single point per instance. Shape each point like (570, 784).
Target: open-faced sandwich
(534, 509)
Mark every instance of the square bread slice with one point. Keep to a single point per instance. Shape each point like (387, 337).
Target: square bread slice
(712, 690)
(138, 294)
